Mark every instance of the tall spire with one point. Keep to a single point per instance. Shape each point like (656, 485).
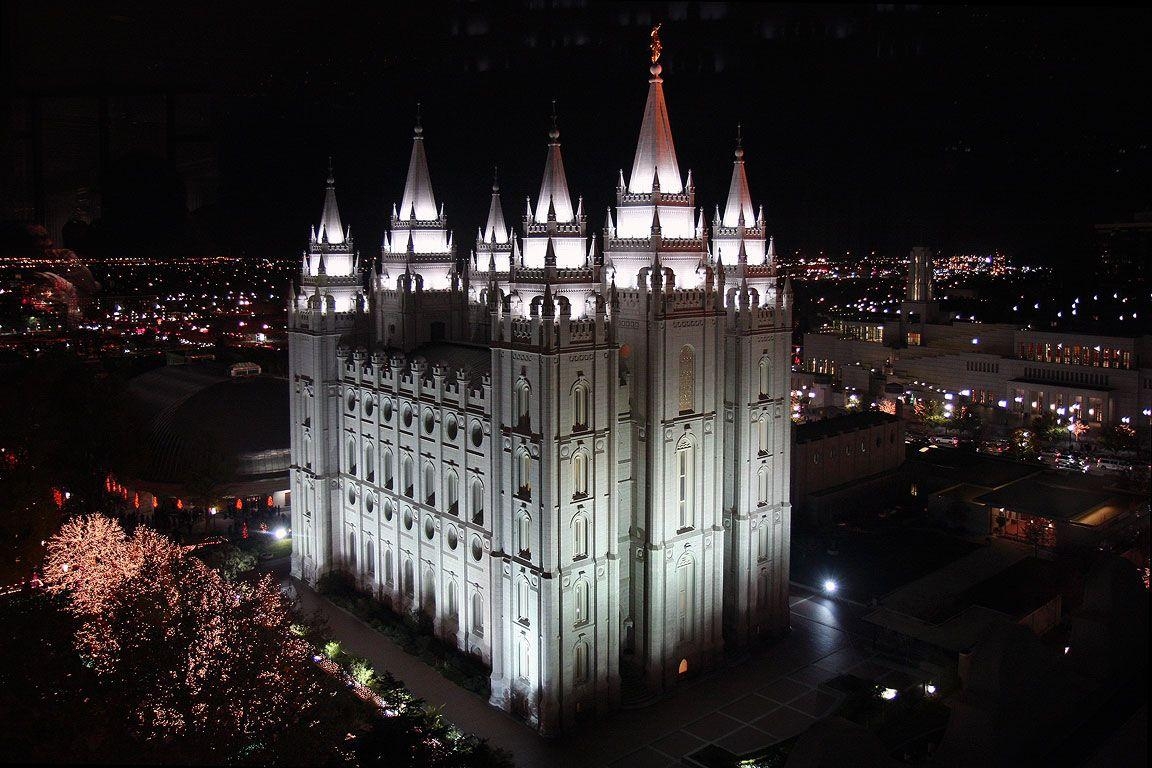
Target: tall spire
(330, 230)
(554, 187)
(739, 199)
(418, 199)
(654, 150)
(495, 230)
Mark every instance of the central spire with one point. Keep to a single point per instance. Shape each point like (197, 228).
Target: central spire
(330, 230)
(655, 153)
(739, 208)
(495, 231)
(418, 201)
(554, 186)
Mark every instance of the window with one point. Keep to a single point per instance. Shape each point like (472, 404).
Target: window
(369, 559)
(762, 543)
(762, 589)
(388, 567)
(406, 580)
(406, 475)
(428, 591)
(452, 493)
(580, 473)
(762, 434)
(351, 456)
(523, 473)
(388, 468)
(762, 486)
(477, 614)
(580, 662)
(307, 452)
(580, 405)
(687, 379)
(369, 464)
(352, 552)
(765, 377)
(523, 534)
(686, 597)
(523, 596)
(430, 485)
(581, 608)
(524, 660)
(477, 501)
(451, 609)
(686, 489)
(452, 428)
(579, 536)
(522, 397)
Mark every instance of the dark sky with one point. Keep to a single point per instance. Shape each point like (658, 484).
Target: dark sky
(866, 127)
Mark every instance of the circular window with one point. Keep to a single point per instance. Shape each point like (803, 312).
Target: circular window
(407, 519)
(351, 494)
(453, 538)
(477, 549)
(369, 406)
(429, 527)
(388, 511)
(351, 401)
(386, 408)
(369, 503)
(407, 415)
(429, 421)
(477, 434)
(452, 428)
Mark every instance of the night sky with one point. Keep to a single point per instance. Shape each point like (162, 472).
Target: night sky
(866, 127)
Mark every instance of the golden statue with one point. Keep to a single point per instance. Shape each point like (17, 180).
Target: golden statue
(656, 45)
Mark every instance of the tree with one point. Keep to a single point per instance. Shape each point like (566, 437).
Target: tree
(1118, 437)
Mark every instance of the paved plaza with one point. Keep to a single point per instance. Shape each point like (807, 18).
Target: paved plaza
(767, 696)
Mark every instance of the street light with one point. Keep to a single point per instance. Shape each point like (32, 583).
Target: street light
(830, 586)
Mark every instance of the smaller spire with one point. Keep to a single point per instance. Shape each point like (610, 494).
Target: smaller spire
(655, 179)
(770, 256)
(620, 183)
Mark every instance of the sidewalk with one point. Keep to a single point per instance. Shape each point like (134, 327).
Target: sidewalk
(768, 696)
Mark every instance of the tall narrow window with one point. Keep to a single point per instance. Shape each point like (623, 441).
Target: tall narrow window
(524, 473)
(580, 473)
(523, 399)
(765, 378)
(452, 609)
(369, 559)
(369, 464)
(762, 486)
(686, 483)
(407, 580)
(387, 457)
(580, 405)
(523, 534)
(307, 452)
(523, 595)
(581, 607)
(477, 614)
(388, 567)
(452, 493)
(406, 476)
(686, 598)
(429, 485)
(428, 591)
(351, 456)
(352, 552)
(762, 434)
(687, 379)
(762, 542)
(580, 662)
(762, 589)
(477, 501)
(579, 536)
(524, 660)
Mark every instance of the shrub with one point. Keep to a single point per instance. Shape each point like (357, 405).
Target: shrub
(332, 650)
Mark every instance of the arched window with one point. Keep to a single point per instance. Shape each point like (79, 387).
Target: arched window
(406, 580)
(452, 493)
(522, 400)
(524, 660)
(369, 559)
(477, 501)
(762, 434)
(686, 597)
(388, 567)
(581, 608)
(762, 589)
(762, 543)
(579, 536)
(406, 476)
(762, 486)
(523, 596)
(580, 405)
(580, 662)
(523, 534)
(765, 377)
(429, 484)
(428, 591)
(453, 609)
(352, 552)
(580, 473)
(477, 613)
(351, 455)
(387, 468)
(369, 464)
(687, 379)
(686, 483)
(308, 452)
(523, 473)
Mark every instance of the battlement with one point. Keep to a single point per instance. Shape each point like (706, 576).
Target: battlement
(416, 378)
(641, 244)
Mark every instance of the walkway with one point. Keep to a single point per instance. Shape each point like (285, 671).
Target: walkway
(769, 696)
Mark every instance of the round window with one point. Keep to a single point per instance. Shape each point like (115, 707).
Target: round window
(452, 428)
(407, 415)
(386, 408)
(351, 494)
(453, 538)
(351, 401)
(477, 434)
(407, 519)
(369, 406)
(429, 421)
(429, 528)
(477, 549)
(388, 511)
(369, 503)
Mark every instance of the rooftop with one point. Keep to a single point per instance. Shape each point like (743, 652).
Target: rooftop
(838, 425)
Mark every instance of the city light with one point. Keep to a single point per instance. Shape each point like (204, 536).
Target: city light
(888, 694)
(280, 532)
(830, 586)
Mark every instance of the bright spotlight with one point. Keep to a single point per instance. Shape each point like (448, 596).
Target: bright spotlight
(280, 533)
(888, 694)
(830, 586)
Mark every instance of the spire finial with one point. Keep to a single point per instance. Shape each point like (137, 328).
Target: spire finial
(739, 141)
(419, 119)
(331, 176)
(554, 132)
(656, 45)
(495, 178)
